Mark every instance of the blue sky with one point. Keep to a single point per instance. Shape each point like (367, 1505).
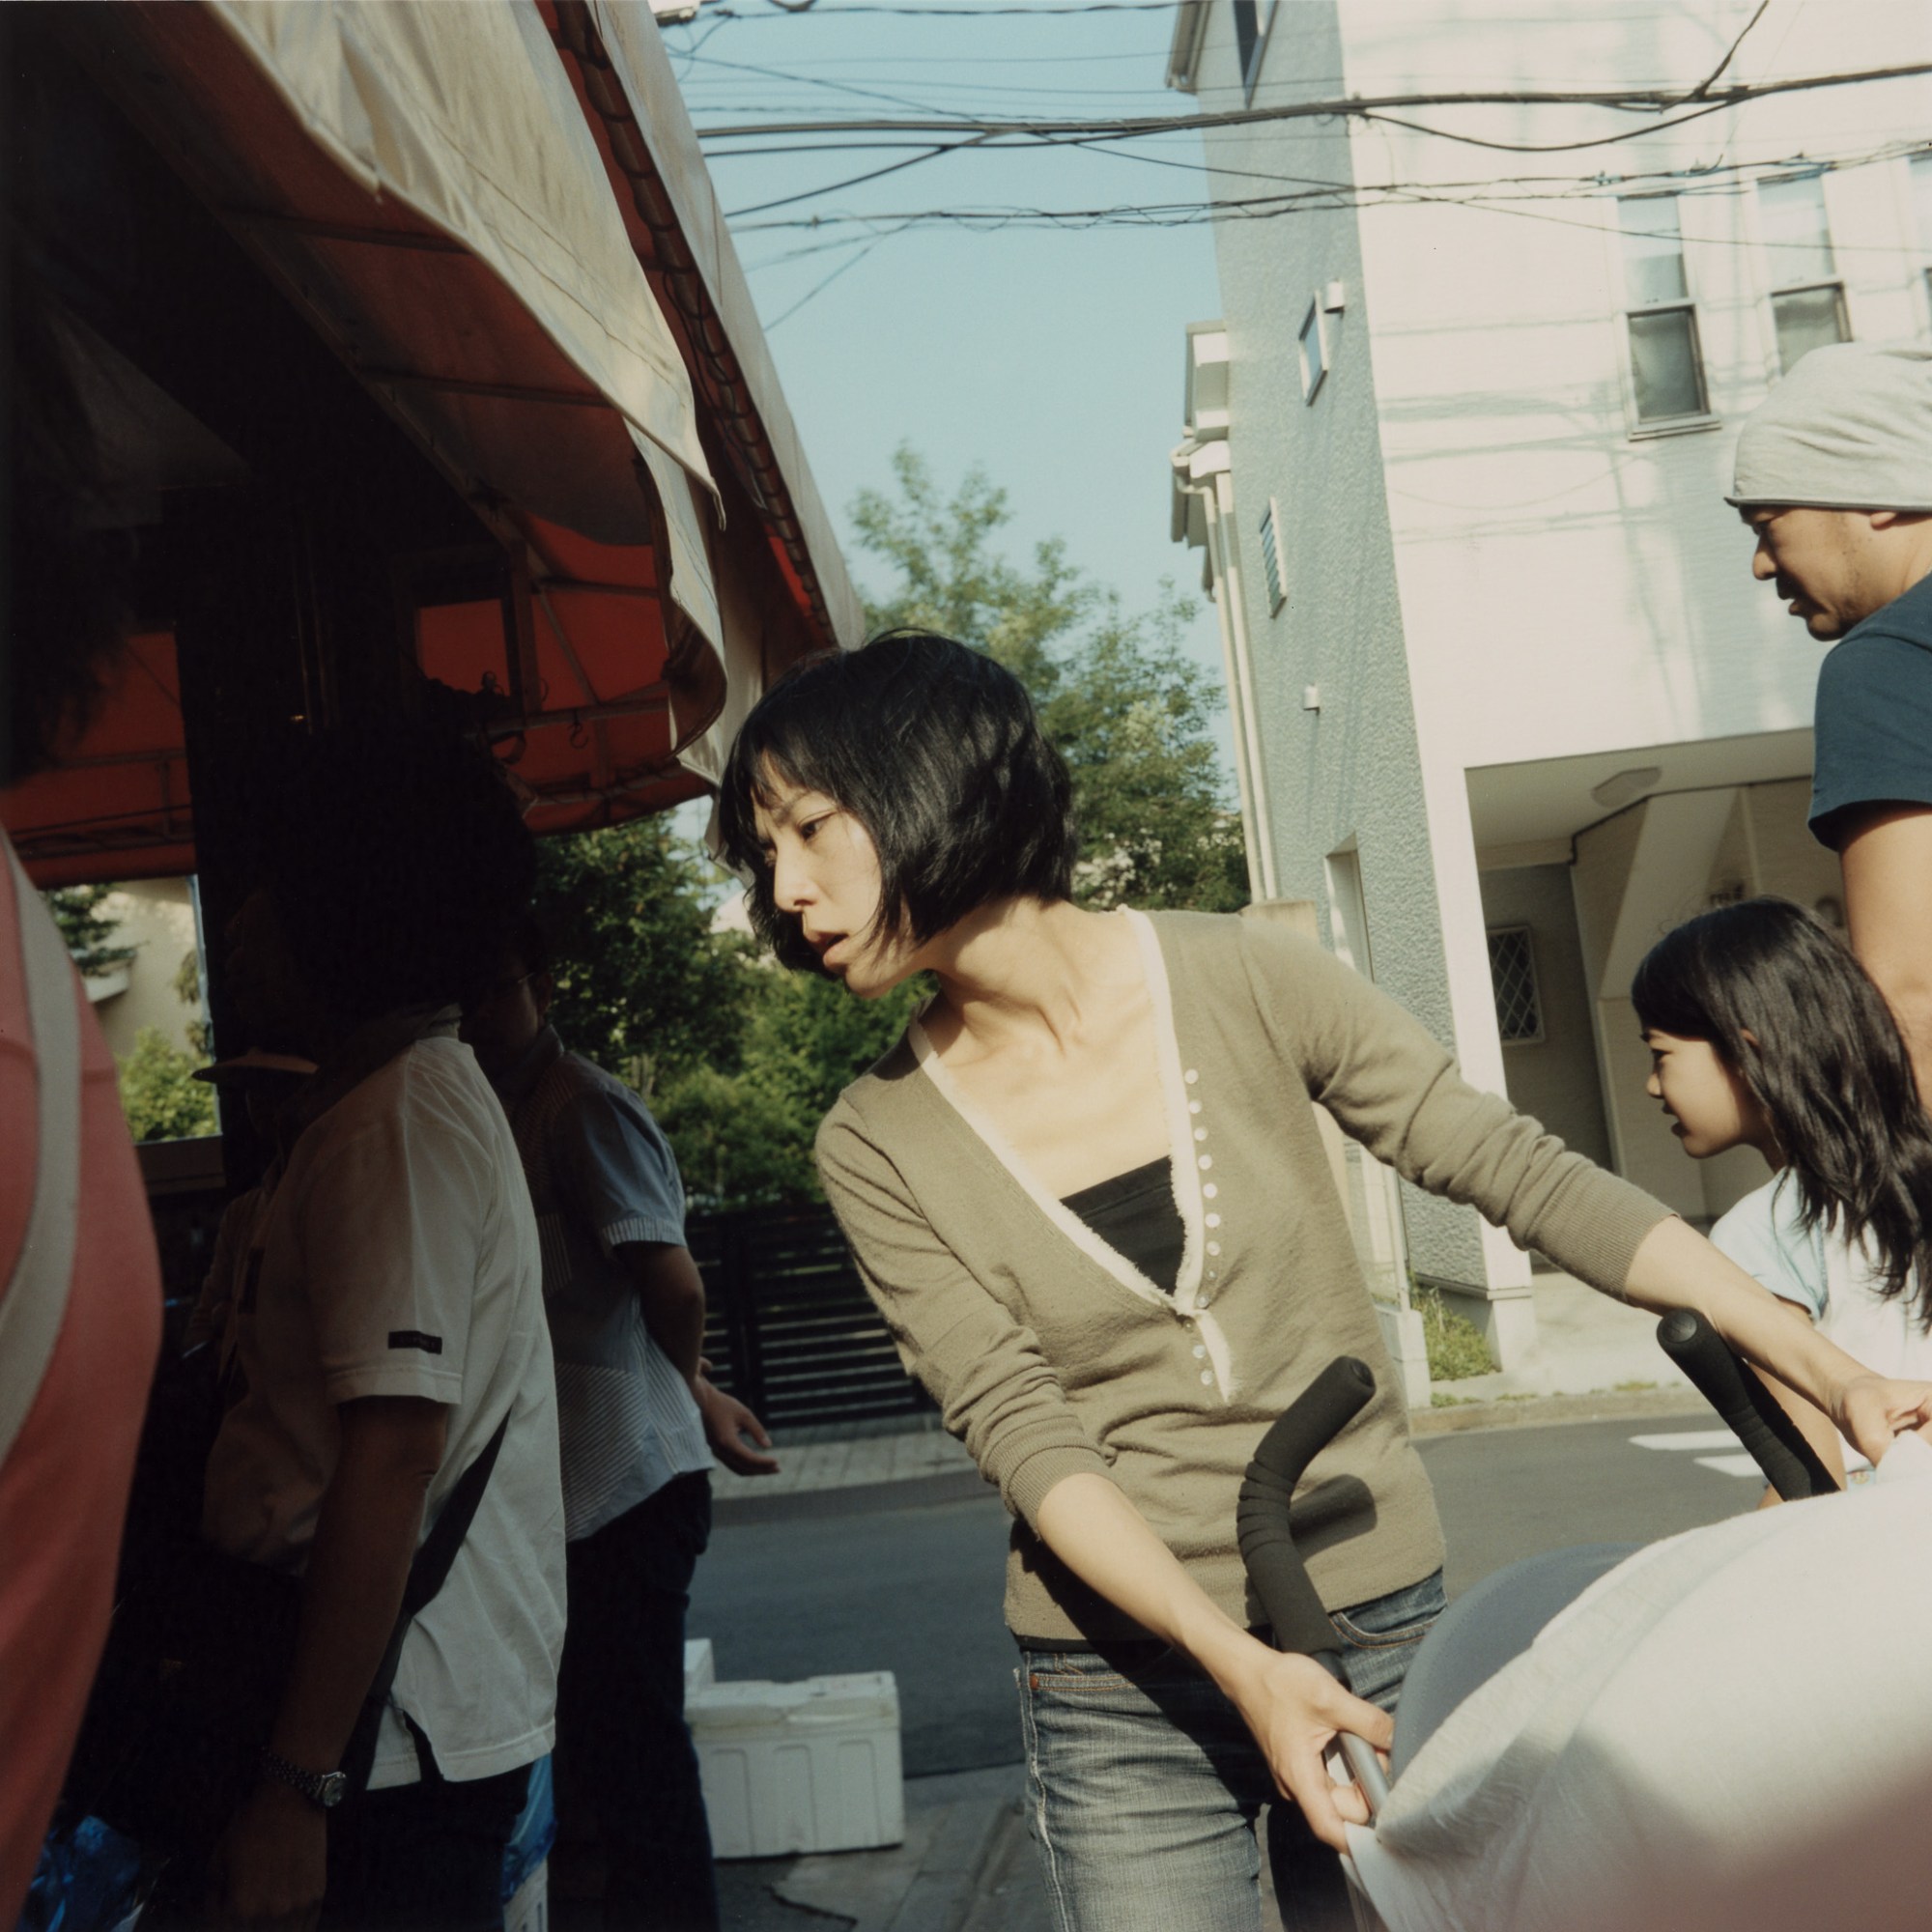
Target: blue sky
(1051, 358)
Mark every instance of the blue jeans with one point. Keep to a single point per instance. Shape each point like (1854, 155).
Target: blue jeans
(1144, 1785)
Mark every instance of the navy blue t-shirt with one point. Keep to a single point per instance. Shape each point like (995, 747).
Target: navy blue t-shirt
(1874, 716)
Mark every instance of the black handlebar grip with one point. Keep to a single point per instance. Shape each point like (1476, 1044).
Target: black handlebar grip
(1311, 1422)
(1777, 1444)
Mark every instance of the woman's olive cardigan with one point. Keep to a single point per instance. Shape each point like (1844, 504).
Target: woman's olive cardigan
(1051, 1355)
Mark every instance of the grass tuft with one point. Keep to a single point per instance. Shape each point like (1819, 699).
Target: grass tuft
(1456, 1347)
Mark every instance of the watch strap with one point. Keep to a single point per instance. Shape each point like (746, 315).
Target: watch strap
(321, 1788)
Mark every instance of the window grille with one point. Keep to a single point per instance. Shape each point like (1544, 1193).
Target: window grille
(1512, 974)
(1277, 590)
(1808, 299)
(1666, 361)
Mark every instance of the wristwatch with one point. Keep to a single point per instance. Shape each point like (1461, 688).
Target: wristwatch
(324, 1789)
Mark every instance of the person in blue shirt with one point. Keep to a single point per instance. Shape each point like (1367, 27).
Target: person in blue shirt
(1835, 478)
(638, 1424)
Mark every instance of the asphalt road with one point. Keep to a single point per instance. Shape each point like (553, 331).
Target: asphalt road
(913, 1586)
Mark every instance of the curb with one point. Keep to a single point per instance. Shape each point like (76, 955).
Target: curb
(1542, 1411)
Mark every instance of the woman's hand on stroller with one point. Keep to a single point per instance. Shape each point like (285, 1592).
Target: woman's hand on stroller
(1873, 1409)
(1296, 1710)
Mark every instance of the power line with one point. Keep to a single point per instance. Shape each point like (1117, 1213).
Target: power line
(941, 12)
(1505, 196)
(1711, 79)
(851, 181)
(1635, 100)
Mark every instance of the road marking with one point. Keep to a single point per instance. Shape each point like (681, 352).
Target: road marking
(1687, 1441)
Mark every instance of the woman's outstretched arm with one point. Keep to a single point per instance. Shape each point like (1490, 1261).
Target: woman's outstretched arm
(1291, 1704)
(1676, 1268)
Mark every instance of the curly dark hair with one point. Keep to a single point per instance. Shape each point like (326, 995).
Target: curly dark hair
(934, 748)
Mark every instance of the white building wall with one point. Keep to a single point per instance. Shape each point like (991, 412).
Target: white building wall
(1542, 582)
(1349, 772)
(155, 917)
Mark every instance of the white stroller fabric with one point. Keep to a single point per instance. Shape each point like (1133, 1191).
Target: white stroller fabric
(1731, 1729)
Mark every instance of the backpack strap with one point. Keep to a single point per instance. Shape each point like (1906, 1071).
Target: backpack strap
(428, 1571)
(35, 1303)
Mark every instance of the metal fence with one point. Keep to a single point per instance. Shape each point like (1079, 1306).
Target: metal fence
(791, 1331)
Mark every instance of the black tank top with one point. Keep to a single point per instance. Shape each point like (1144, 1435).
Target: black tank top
(1135, 1215)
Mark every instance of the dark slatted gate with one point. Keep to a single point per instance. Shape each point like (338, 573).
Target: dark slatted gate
(790, 1331)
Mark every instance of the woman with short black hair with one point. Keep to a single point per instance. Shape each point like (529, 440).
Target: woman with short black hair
(1088, 1193)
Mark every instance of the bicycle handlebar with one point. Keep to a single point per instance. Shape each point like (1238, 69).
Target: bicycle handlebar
(1315, 1416)
(1777, 1444)
(1280, 1578)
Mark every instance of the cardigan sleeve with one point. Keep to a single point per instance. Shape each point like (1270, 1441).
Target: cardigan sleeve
(1394, 1087)
(987, 1372)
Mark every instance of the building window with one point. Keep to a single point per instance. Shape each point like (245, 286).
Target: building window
(1807, 300)
(1666, 362)
(1252, 20)
(1922, 201)
(1512, 974)
(1277, 590)
(1314, 352)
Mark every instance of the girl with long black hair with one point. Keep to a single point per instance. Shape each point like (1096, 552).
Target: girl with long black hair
(1764, 1032)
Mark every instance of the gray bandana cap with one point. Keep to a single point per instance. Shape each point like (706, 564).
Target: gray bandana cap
(1849, 429)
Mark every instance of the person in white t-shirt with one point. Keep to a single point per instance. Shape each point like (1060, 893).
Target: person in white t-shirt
(389, 1321)
(1765, 1032)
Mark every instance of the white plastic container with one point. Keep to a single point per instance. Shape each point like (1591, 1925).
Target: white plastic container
(701, 1672)
(811, 1767)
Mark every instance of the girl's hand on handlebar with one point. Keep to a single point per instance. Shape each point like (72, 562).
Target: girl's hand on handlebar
(1294, 1709)
(1873, 1409)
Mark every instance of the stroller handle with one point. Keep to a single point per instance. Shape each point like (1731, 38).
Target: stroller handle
(1280, 1578)
(1777, 1444)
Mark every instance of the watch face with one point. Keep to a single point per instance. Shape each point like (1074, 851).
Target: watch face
(334, 1787)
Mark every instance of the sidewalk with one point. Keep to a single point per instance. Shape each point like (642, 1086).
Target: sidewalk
(1588, 1345)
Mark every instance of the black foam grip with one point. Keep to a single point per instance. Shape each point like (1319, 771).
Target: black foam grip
(1777, 1444)
(1280, 1578)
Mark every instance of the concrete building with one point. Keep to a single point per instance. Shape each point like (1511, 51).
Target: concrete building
(155, 917)
(1507, 703)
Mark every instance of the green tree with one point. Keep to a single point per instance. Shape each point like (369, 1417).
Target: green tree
(744, 1139)
(188, 991)
(89, 931)
(159, 1094)
(1116, 693)
(644, 987)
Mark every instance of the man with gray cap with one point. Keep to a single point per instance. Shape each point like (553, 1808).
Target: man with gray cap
(1835, 478)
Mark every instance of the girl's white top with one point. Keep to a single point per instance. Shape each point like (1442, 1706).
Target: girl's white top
(1833, 1281)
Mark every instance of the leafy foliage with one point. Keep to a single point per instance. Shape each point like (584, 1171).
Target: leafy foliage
(744, 1139)
(1117, 695)
(89, 931)
(1456, 1347)
(188, 991)
(158, 1093)
(643, 986)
